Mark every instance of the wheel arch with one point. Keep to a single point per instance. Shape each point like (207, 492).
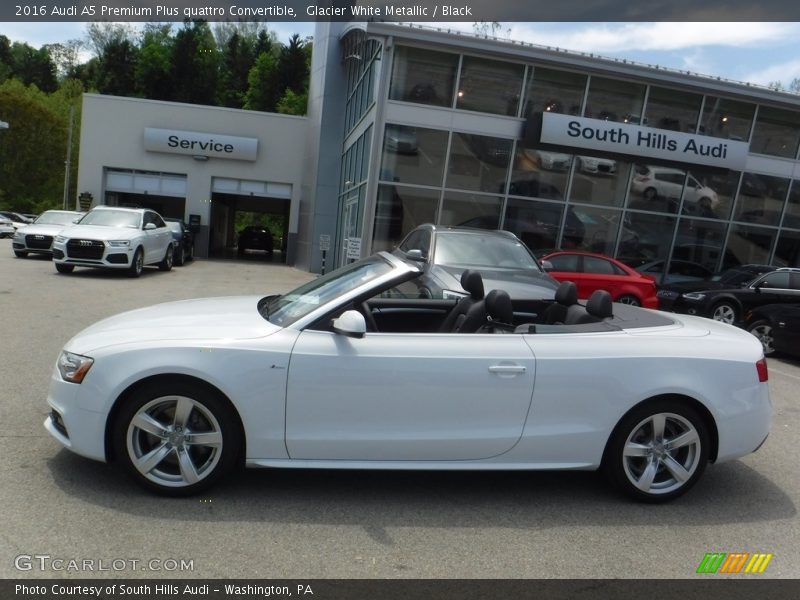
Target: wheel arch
(164, 379)
(693, 403)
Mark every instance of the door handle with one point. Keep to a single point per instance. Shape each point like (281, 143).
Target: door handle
(507, 369)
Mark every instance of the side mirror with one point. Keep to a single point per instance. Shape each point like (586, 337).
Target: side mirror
(150, 227)
(351, 323)
(415, 254)
(547, 265)
(77, 220)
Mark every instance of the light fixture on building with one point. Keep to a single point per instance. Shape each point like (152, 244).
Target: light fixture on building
(460, 94)
(200, 157)
(724, 119)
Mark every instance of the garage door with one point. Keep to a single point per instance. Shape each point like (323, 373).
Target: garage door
(144, 182)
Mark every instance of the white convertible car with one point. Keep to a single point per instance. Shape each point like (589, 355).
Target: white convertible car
(354, 371)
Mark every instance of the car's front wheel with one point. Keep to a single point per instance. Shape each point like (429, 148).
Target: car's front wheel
(64, 268)
(762, 329)
(137, 264)
(176, 438)
(20, 253)
(658, 451)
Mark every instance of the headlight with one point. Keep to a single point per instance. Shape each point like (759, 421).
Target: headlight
(694, 296)
(452, 295)
(60, 239)
(74, 367)
(18, 235)
(119, 243)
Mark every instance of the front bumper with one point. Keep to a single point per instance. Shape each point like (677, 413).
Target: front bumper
(112, 257)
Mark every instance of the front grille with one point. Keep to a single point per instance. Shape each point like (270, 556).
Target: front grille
(91, 249)
(41, 242)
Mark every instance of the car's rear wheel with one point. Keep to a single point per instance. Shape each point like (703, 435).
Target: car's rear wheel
(137, 264)
(166, 262)
(762, 329)
(658, 451)
(191, 252)
(650, 193)
(20, 253)
(64, 268)
(629, 299)
(180, 256)
(724, 312)
(176, 438)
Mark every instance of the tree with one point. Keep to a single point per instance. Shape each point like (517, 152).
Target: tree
(263, 91)
(194, 64)
(794, 86)
(292, 103)
(293, 66)
(237, 60)
(117, 67)
(65, 56)
(32, 66)
(152, 72)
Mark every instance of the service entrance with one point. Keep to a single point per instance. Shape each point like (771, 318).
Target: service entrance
(239, 204)
(165, 193)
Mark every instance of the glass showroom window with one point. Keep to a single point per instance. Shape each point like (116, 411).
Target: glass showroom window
(489, 86)
(539, 173)
(398, 210)
(478, 162)
(792, 216)
(600, 227)
(413, 155)
(700, 242)
(776, 132)
(672, 109)
(554, 91)
(423, 76)
(787, 252)
(537, 224)
(748, 244)
(471, 210)
(761, 199)
(656, 188)
(599, 180)
(645, 239)
(614, 100)
(723, 118)
(709, 193)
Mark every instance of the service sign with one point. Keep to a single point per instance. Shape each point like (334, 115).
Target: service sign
(195, 143)
(643, 142)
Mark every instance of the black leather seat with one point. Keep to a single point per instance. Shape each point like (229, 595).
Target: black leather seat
(499, 313)
(566, 296)
(599, 306)
(472, 282)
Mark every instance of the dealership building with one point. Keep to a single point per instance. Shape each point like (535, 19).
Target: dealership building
(410, 125)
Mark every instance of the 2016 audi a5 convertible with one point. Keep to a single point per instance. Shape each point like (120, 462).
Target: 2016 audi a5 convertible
(355, 370)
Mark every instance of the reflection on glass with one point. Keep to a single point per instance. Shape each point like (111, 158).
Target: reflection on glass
(478, 162)
(554, 91)
(776, 132)
(761, 199)
(747, 244)
(413, 155)
(792, 216)
(398, 210)
(709, 193)
(489, 86)
(539, 173)
(471, 210)
(699, 242)
(423, 76)
(672, 109)
(656, 188)
(723, 118)
(599, 181)
(537, 224)
(600, 228)
(645, 238)
(787, 252)
(614, 100)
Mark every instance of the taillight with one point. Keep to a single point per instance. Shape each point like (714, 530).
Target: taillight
(761, 368)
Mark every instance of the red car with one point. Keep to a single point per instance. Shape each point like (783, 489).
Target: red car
(592, 272)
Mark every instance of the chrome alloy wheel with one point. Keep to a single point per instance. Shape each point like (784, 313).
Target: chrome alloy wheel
(725, 313)
(662, 453)
(174, 441)
(763, 332)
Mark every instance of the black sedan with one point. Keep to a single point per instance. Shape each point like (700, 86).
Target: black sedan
(777, 326)
(184, 241)
(255, 237)
(503, 261)
(669, 295)
(729, 305)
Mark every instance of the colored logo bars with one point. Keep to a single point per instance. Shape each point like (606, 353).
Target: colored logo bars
(735, 562)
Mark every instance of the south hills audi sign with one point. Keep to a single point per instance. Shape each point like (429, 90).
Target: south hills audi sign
(196, 143)
(638, 141)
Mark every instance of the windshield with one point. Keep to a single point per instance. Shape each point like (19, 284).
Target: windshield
(295, 305)
(112, 218)
(734, 277)
(56, 218)
(470, 250)
(176, 227)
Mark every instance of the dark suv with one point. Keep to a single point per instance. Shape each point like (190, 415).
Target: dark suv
(255, 237)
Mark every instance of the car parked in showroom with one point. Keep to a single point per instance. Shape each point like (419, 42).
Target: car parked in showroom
(503, 261)
(37, 238)
(592, 272)
(339, 374)
(115, 238)
(184, 241)
(670, 294)
(652, 182)
(777, 327)
(679, 271)
(255, 237)
(729, 305)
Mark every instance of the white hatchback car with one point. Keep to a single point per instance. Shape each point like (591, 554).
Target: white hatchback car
(653, 182)
(115, 238)
(37, 238)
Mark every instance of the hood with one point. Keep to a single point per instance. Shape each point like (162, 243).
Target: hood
(683, 287)
(230, 318)
(520, 284)
(43, 229)
(100, 232)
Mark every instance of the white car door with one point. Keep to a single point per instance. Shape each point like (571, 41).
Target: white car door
(156, 240)
(407, 397)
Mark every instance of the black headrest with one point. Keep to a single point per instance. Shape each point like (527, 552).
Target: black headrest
(498, 306)
(599, 304)
(567, 293)
(472, 282)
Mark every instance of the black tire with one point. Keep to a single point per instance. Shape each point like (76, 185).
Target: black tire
(762, 329)
(166, 262)
(650, 477)
(137, 264)
(20, 254)
(725, 311)
(64, 268)
(206, 413)
(629, 299)
(191, 252)
(240, 251)
(650, 193)
(180, 256)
